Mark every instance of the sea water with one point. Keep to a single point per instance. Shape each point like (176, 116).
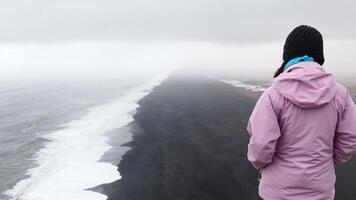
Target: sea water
(52, 136)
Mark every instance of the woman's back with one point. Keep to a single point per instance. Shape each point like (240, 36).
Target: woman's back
(310, 104)
(307, 104)
(302, 125)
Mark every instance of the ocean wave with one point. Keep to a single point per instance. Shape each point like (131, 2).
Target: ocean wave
(240, 84)
(68, 164)
(249, 87)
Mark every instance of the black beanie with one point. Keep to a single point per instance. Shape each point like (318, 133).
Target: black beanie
(303, 40)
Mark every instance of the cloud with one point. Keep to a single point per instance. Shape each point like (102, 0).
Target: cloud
(222, 21)
(115, 59)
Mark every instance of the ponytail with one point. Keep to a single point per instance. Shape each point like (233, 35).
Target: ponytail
(279, 70)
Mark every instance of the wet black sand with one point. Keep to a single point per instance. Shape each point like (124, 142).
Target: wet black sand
(190, 143)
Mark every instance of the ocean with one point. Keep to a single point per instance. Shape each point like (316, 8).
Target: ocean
(53, 134)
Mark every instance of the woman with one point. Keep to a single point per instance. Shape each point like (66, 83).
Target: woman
(302, 125)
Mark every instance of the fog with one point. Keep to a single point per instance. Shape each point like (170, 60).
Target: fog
(208, 20)
(77, 39)
(98, 60)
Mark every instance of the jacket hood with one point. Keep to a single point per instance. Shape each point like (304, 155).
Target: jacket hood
(306, 84)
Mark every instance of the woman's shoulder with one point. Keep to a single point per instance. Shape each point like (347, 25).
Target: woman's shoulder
(276, 98)
(273, 93)
(341, 96)
(341, 91)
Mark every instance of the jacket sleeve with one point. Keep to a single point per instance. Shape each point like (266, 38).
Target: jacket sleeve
(345, 134)
(263, 127)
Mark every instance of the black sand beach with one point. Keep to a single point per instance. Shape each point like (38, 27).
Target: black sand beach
(190, 143)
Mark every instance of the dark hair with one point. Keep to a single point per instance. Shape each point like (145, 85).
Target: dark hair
(303, 40)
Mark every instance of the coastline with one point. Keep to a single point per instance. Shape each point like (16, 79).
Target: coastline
(68, 163)
(190, 142)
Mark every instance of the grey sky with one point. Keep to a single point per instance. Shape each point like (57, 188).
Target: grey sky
(59, 39)
(188, 20)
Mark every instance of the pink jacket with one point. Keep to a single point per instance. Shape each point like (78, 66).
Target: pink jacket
(300, 127)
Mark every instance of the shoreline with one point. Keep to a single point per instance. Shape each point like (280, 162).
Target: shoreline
(190, 142)
(193, 144)
(69, 162)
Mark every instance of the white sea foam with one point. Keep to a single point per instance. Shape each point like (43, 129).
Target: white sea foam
(68, 164)
(239, 84)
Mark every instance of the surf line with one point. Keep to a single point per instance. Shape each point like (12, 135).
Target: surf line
(68, 164)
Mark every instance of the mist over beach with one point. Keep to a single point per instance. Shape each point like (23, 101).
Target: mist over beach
(126, 100)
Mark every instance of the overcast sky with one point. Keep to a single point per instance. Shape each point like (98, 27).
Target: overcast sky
(202, 20)
(105, 38)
